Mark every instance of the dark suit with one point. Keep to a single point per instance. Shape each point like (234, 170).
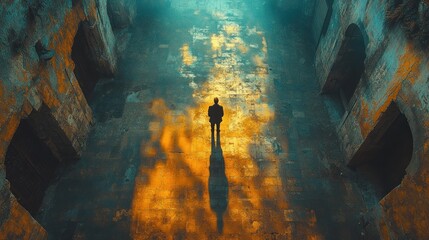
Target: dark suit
(215, 114)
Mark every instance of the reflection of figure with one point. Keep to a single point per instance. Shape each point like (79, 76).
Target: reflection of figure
(216, 114)
(218, 183)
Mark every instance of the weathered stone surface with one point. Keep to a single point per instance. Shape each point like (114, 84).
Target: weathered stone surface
(101, 40)
(151, 168)
(20, 225)
(395, 71)
(404, 204)
(4, 199)
(28, 83)
(121, 12)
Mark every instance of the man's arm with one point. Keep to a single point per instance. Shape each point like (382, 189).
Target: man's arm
(210, 111)
(221, 111)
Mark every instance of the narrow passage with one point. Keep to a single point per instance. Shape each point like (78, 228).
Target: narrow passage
(152, 169)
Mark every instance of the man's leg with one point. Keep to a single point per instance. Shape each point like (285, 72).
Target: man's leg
(212, 125)
(218, 127)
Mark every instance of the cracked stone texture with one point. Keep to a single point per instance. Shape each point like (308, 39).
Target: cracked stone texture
(152, 169)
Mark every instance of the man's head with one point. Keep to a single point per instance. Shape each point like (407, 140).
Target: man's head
(216, 100)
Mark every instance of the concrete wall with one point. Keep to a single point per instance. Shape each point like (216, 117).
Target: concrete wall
(27, 82)
(395, 71)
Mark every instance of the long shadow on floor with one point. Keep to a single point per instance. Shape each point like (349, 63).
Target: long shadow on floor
(218, 183)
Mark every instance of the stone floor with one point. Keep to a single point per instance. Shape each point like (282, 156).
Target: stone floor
(152, 169)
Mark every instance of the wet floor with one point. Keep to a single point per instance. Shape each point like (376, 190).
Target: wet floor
(153, 170)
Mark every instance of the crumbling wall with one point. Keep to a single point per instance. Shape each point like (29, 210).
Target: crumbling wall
(396, 70)
(28, 82)
(101, 40)
(121, 12)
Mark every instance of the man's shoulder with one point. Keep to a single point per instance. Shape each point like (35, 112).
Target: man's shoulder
(216, 106)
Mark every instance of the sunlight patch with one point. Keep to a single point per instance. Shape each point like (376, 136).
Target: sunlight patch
(232, 29)
(217, 42)
(187, 57)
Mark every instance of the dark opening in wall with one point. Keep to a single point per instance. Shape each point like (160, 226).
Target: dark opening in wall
(84, 70)
(30, 166)
(328, 17)
(348, 67)
(34, 154)
(386, 153)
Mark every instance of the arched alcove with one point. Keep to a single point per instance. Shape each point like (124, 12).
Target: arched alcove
(34, 154)
(348, 67)
(85, 70)
(386, 152)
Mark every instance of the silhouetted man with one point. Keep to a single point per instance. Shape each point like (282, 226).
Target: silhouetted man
(216, 114)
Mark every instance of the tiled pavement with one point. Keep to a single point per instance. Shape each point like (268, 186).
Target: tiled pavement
(152, 170)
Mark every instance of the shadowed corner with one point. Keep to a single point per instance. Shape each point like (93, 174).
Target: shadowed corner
(218, 183)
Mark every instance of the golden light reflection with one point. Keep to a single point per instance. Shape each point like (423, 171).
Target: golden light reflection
(232, 29)
(187, 57)
(217, 42)
(243, 48)
(172, 196)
